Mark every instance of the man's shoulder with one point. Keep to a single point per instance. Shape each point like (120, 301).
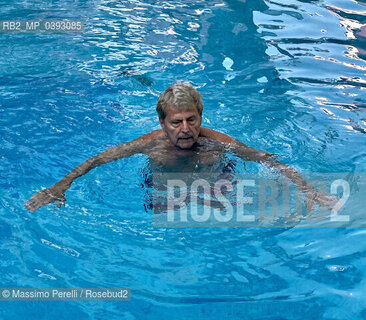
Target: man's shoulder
(152, 135)
(216, 135)
(144, 143)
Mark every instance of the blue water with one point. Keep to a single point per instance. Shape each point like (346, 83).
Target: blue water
(287, 77)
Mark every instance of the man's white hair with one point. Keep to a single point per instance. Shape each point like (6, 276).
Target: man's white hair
(181, 96)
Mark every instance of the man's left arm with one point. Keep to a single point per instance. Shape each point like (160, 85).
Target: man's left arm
(248, 153)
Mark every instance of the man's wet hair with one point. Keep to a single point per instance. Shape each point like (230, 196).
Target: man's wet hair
(180, 96)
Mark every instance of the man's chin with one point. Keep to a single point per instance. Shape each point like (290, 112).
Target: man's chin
(185, 143)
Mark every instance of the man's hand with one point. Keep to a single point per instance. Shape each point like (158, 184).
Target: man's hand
(48, 195)
(322, 199)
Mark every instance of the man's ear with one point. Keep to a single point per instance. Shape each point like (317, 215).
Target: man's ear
(162, 123)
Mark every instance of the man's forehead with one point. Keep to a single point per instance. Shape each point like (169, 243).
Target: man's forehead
(173, 112)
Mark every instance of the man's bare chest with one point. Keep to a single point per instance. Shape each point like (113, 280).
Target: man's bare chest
(205, 153)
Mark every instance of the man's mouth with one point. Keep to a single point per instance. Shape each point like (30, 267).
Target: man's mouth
(186, 138)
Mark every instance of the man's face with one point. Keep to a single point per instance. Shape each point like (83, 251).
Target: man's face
(182, 127)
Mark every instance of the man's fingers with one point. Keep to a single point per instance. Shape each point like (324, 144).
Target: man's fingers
(31, 207)
(60, 203)
(33, 204)
(322, 199)
(27, 205)
(42, 198)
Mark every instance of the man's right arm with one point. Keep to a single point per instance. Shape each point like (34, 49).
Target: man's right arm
(57, 191)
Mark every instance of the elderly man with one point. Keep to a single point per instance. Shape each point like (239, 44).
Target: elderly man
(182, 144)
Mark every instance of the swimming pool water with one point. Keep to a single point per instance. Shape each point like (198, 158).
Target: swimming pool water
(287, 77)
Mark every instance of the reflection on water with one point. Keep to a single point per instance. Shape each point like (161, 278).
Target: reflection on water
(323, 52)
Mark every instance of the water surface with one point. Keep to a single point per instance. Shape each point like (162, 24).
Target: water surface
(287, 77)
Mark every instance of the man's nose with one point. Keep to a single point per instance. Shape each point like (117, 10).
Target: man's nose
(185, 126)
